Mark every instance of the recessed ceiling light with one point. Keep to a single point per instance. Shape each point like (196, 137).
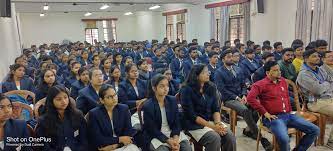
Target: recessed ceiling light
(128, 13)
(154, 7)
(41, 14)
(46, 7)
(87, 14)
(105, 6)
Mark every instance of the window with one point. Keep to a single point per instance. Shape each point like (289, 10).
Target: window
(217, 17)
(169, 27)
(91, 35)
(109, 30)
(236, 23)
(181, 26)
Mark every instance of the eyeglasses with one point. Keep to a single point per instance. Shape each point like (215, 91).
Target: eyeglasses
(111, 97)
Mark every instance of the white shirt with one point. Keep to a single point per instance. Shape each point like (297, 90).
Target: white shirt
(165, 129)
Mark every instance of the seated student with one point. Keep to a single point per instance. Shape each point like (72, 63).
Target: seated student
(213, 64)
(144, 73)
(96, 61)
(106, 65)
(161, 123)
(73, 76)
(88, 96)
(249, 65)
(288, 70)
(109, 124)
(81, 83)
(317, 86)
(11, 128)
(84, 58)
(47, 80)
(62, 123)
(176, 64)
(260, 72)
(202, 112)
(16, 80)
(192, 60)
(159, 60)
(230, 82)
(30, 71)
(235, 58)
(173, 85)
(270, 98)
(115, 77)
(63, 66)
(132, 92)
(204, 58)
(54, 68)
(267, 48)
(277, 50)
(298, 61)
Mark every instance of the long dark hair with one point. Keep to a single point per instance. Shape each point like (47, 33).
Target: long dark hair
(13, 68)
(114, 67)
(42, 84)
(153, 82)
(193, 81)
(52, 120)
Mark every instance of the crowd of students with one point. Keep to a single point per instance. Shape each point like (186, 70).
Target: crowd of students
(155, 96)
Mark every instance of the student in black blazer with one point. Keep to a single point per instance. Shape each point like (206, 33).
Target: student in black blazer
(17, 80)
(173, 85)
(144, 73)
(115, 77)
(161, 118)
(109, 124)
(202, 112)
(132, 92)
(62, 122)
(47, 80)
(16, 129)
(88, 96)
(80, 84)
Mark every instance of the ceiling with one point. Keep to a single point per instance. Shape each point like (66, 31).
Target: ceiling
(36, 6)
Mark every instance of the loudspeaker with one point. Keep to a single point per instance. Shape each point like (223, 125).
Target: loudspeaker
(5, 8)
(260, 6)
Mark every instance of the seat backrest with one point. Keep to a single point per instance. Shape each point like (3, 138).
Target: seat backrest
(18, 108)
(140, 113)
(295, 93)
(24, 93)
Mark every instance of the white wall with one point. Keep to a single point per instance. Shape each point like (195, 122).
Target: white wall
(54, 27)
(9, 42)
(277, 23)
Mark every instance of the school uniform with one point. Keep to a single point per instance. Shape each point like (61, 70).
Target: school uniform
(162, 123)
(26, 83)
(187, 66)
(69, 80)
(87, 99)
(249, 67)
(196, 104)
(112, 83)
(104, 131)
(75, 88)
(128, 94)
(173, 87)
(212, 70)
(67, 136)
(15, 129)
(176, 66)
(204, 58)
(42, 91)
(145, 76)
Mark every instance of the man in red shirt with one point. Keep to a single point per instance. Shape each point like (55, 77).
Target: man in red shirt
(270, 98)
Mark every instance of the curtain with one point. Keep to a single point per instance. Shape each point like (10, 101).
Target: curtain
(224, 24)
(109, 29)
(247, 23)
(213, 23)
(303, 21)
(322, 21)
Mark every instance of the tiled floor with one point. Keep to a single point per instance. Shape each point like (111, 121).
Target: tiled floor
(247, 144)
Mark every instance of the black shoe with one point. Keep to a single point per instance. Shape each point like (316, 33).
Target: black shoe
(266, 144)
(249, 134)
